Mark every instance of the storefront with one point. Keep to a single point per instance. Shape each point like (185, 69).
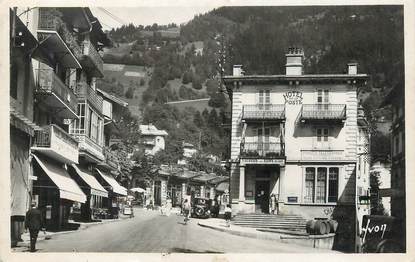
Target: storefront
(55, 192)
(92, 189)
(116, 192)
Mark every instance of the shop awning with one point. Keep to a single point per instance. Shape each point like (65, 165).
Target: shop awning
(68, 189)
(116, 188)
(96, 188)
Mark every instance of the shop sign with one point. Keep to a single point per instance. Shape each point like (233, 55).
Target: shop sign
(280, 162)
(293, 97)
(292, 199)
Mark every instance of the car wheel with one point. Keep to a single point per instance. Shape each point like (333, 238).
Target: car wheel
(199, 211)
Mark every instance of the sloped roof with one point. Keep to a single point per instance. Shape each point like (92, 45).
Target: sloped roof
(113, 98)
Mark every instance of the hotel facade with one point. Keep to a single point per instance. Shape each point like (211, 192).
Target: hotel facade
(301, 137)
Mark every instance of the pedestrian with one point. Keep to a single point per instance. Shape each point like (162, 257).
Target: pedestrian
(34, 222)
(228, 215)
(273, 203)
(186, 209)
(168, 207)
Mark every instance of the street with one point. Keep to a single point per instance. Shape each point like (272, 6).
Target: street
(148, 232)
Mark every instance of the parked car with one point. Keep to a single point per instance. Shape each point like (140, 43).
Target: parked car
(201, 207)
(128, 210)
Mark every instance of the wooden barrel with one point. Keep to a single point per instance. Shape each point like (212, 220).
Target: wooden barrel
(327, 224)
(320, 227)
(333, 226)
(310, 227)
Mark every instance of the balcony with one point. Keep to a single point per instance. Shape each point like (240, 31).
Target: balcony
(263, 112)
(85, 92)
(55, 37)
(55, 94)
(262, 150)
(111, 160)
(323, 113)
(56, 143)
(89, 149)
(322, 155)
(91, 60)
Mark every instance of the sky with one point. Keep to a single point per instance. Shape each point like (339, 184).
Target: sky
(113, 17)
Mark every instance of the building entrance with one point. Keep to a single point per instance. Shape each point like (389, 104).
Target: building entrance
(262, 196)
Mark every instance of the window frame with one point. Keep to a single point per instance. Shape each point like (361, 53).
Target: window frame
(327, 198)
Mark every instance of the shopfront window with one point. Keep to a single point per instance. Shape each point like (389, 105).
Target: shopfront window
(333, 184)
(309, 184)
(321, 186)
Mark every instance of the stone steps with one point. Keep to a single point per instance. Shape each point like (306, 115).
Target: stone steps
(265, 221)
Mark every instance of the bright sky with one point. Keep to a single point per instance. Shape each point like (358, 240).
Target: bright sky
(147, 15)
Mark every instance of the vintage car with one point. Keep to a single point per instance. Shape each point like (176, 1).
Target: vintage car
(201, 207)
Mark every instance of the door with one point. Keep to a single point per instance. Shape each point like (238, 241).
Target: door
(263, 138)
(262, 196)
(157, 193)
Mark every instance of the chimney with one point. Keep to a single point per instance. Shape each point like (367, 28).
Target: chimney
(237, 70)
(294, 64)
(352, 68)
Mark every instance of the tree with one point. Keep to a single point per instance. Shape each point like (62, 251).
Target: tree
(217, 100)
(376, 204)
(130, 92)
(187, 77)
(196, 84)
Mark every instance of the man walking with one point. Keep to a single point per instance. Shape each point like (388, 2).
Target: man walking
(34, 223)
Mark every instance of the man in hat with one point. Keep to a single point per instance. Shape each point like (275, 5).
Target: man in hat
(34, 223)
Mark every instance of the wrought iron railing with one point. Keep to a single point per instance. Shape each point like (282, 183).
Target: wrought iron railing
(46, 137)
(49, 83)
(84, 91)
(323, 111)
(263, 112)
(50, 19)
(263, 150)
(88, 49)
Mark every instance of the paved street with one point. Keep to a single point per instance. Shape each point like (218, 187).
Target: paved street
(148, 231)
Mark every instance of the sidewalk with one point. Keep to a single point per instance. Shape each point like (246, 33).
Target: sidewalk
(320, 242)
(24, 245)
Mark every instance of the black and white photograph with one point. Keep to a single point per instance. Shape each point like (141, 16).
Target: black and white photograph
(206, 129)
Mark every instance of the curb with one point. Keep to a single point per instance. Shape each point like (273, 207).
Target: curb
(255, 235)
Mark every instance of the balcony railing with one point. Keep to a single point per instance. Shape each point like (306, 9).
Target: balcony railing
(56, 140)
(89, 50)
(49, 83)
(50, 20)
(90, 146)
(263, 112)
(262, 150)
(323, 112)
(84, 91)
(322, 154)
(110, 158)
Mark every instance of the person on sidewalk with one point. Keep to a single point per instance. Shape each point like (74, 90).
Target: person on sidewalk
(34, 222)
(273, 203)
(228, 215)
(186, 209)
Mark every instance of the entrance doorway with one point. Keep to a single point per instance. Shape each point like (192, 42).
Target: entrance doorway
(262, 196)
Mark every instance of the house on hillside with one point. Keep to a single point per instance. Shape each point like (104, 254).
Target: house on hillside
(152, 138)
(299, 136)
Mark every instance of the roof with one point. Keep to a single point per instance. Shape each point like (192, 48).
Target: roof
(222, 186)
(203, 177)
(219, 179)
(113, 98)
(295, 77)
(187, 174)
(151, 130)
